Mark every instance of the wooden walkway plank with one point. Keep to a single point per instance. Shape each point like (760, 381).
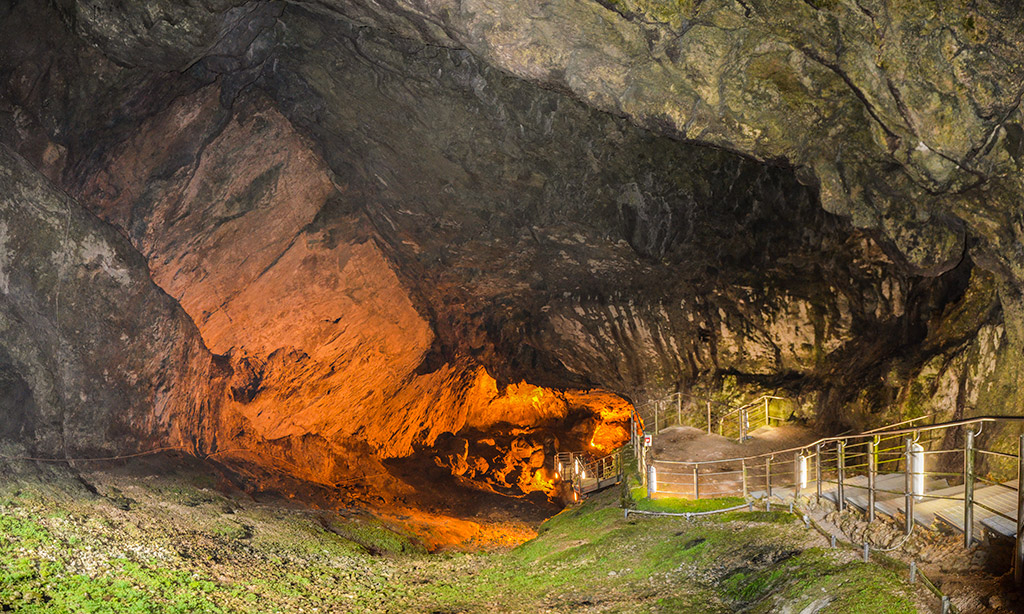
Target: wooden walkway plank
(928, 509)
(894, 482)
(1001, 526)
(924, 507)
(996, 497)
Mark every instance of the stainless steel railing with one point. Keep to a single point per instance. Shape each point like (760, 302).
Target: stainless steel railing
(586, 473)
(917, 462)
(682, 409)
(740, 422)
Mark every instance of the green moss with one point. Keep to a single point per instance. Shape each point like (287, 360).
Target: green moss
(854, 587)
(190, 496)
(375, 537)
(823, 5)
(21, 532)
(232, 531)
(777, 517)
(683, 506)
(587, 557)
(125, 587)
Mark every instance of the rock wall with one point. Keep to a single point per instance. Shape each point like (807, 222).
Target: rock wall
(95, 358)
(367, 212)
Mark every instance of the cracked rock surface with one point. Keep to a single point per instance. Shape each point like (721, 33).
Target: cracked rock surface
(390, 224)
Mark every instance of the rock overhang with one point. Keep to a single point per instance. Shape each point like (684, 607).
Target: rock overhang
(329, 200)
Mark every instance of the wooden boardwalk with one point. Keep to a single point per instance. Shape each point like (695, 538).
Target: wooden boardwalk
(590, 485)
(938, 504)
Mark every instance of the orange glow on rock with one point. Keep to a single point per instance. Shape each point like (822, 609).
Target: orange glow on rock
(321, 346)
(511, 435)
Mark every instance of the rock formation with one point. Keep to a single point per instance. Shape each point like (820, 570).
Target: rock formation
(395, 225)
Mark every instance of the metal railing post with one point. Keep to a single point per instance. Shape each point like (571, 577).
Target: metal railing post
(657, 411)
(841, 466)
(679, 409)
(743, 468)
(640, 459)
(643, 463)
(1018, 551)
(652, 481)
(768, 475)
(969, 489)
(817, 470)
(767, 422)
(696, 483)
(908, 486)
(743, 424)
(872, 471)
(709, 417)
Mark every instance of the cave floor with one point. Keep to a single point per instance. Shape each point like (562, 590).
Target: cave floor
(136, 540)
(685, 443)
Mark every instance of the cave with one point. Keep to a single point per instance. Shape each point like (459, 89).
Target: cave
(392, 258)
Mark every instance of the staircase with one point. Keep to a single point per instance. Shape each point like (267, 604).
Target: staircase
(588, 474)
(925, 474)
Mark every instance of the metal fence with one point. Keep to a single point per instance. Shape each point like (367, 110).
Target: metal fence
(586, 473)
(682, 409)
(678, 409)
(740, 422)
(893, 469)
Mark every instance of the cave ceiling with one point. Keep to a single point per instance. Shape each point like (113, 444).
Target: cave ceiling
(380, 226)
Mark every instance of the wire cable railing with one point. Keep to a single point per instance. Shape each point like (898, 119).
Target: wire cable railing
(682, 409)
(586, 473)
(940, 468)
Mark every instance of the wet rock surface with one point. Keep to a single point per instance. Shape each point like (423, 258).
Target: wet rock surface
(95, 358)
(380, 223)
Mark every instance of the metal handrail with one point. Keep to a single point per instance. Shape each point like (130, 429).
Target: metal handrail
(756, 401)
(656, 405)
(756, 470)
(675, 395)
(578, 469)
(889, 426)
(742, 416)
(837, 438)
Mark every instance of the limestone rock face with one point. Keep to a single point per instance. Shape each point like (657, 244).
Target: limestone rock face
(94, 358)
(161, 35)
(392, 238)
(282, 274)
(882, 101)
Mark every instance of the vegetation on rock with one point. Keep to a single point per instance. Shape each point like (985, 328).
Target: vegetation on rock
(64, 548)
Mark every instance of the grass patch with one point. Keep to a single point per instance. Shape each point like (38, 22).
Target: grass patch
(682, 506)
(854, 587)
(83, 555)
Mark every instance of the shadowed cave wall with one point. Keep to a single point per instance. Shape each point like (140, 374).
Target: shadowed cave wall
(366, 242)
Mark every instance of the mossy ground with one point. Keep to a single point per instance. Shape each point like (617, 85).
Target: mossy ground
(173, 543)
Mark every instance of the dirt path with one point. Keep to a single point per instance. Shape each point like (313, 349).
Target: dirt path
(688, 444)
(684, 443)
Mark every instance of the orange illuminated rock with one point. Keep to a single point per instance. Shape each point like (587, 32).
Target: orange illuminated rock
(282, 275)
